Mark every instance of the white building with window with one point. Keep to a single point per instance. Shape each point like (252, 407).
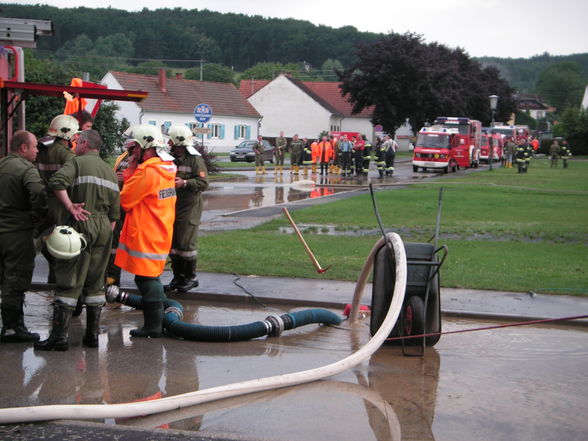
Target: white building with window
(304, 107)
(171, 101)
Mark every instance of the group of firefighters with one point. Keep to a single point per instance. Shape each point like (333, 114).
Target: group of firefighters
(520, 151)
(62, 199)
(341, 156)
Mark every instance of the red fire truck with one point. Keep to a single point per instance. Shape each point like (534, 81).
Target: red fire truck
(497, 141)
(450, 143)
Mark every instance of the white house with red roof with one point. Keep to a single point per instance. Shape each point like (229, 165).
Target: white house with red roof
(171, 101)
(305, 108)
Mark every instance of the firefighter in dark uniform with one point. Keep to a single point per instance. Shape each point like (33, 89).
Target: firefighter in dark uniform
(54, 151)
(281, 146)
(367, 156)
(380, 157)
(296, 147)
(530, 153)
(521, 154)
(554, 153)
(565, 153)
(23, 202)
(306, 156)
(191, 181)
(88, 189)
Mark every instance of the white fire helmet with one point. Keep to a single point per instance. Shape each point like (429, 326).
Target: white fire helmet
(65, 242)
(148, 136)
(64, 126)
(182, 136)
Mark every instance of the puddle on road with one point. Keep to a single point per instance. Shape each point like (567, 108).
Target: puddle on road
(525, 383)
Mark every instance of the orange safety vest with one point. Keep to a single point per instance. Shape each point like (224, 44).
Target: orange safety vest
(314, 151)
(149, 199)
(327, 148)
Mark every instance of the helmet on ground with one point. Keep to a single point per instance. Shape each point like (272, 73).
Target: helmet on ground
(64, 126)
(65, 242)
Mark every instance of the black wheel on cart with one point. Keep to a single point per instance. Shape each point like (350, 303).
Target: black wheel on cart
(414, 319)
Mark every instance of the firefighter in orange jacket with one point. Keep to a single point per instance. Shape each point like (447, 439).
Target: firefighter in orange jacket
(315, 154)
(149, 199)
(325, 154)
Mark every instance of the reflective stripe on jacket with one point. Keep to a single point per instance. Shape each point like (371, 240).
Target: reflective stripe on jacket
(149, 198)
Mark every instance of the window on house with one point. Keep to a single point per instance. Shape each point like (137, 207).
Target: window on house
(165, 127)
(217, 131)
(242, 131)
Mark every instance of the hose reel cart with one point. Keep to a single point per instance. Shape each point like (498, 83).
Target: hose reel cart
(421, 310)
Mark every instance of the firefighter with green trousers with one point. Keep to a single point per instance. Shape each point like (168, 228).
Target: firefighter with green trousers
(88, 189)
(521, 155)
(554, 151)
(259, 149)
(367, 155)
(296, 150)
(191, 181)
(281, 146)
(23, 203)
(565, 153)
(380, 157)
(54, 151)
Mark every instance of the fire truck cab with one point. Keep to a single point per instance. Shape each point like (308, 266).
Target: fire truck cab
(449, 144)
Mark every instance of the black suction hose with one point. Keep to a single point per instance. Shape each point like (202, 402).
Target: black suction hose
(273, 325)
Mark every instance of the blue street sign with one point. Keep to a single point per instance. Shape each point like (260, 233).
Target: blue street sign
(202, 113)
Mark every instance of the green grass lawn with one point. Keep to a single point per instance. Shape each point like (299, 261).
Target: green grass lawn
(504, 231)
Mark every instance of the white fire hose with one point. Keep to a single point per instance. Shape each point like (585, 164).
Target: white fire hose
(129, 410)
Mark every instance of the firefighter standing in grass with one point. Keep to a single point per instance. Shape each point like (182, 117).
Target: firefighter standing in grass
(296, 148)
(510, 152)
(565, 153)
(54, 151)
(149, 198)
(88, 189)
(281, 146)
(259, 149)
(358, 147)
(191, 181)
(554, 151)
(23, 203)
(521, 154)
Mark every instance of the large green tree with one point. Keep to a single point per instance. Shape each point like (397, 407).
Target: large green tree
(211, 72)
(574, 127)
(402, 77)
(562, 85)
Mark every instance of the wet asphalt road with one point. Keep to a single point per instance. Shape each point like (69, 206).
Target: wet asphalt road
(524, 383)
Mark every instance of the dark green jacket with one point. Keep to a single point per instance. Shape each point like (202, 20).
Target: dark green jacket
(192, 169)
(23, 199)
(89, 179)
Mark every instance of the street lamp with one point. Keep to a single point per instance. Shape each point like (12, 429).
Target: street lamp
(493, 104)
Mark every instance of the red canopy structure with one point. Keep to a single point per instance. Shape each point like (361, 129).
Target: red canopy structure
(13, 93)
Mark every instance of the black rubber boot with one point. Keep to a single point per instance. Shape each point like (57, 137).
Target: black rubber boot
(92, 326)
(58, 339)
(152, 321)
(179, 276)
(13, 329)
(190, 279)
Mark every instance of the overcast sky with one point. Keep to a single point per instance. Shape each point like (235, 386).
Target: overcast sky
(503, 28)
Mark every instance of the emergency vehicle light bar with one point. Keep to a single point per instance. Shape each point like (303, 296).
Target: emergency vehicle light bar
(451, 120)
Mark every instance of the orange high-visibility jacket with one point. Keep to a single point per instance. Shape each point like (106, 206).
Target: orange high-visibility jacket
(314, 152)
(326, 147)
(149, 199)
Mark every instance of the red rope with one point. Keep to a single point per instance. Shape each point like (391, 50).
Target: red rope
(508, 325)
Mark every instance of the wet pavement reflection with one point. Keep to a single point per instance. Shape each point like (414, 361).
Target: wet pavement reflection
(525, 383)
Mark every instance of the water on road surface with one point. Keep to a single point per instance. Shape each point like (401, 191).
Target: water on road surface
(523, 383)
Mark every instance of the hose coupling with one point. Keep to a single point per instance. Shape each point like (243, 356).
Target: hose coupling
(276, 325)
(115, 295)
(175, 310)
